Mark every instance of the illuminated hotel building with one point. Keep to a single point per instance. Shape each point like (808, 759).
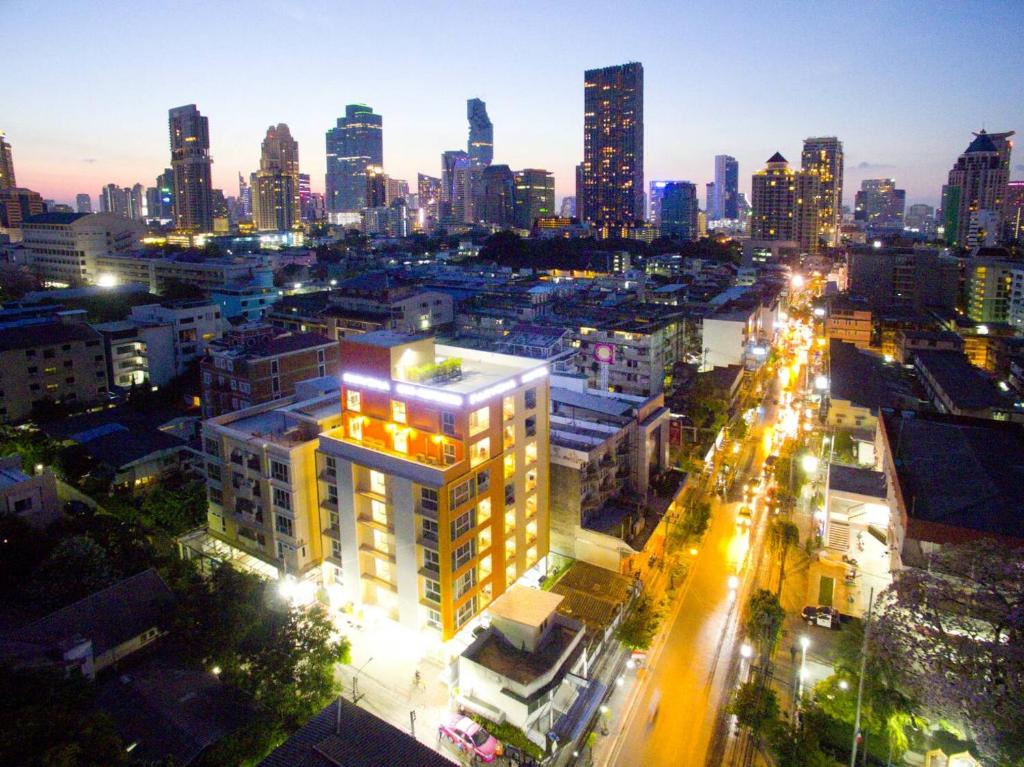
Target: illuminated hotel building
(610, 192)
(773, 201)
(435, 484)
(823, 157)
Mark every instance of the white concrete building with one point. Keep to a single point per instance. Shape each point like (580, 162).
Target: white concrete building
(62, 248)
(156, 272)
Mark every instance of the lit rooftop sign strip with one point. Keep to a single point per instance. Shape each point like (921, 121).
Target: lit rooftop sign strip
(366, 381)
(492, 391)
(429, 395)
(533, 375)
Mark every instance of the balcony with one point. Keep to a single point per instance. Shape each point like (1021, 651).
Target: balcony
(333, 532)
(369, 548)
(374, 524)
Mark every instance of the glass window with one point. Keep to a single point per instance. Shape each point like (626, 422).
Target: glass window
(449, 453)
(430, 530)
(283, 525)
(278, 470)
(355, 427)
(483, 510)
(378, 482)
(336, 549)
(510, 494)
(353, 400)
(531, 426)
(330, 465)
(479, 420)
(431, 590)
(448, 423)
(379, 511)
(282, 498)
(480, 451)
(508, 407)
(401, 441)
(428, 499)
(531, 399)
(460, 494)
(463, 554)
(397, 411)
(510, 465)
(212, 446)
(465, 613)
(531, 452)
(465, 582)
(483, 480)
(434, 619)
(463, 524)
(431, 560)
(213, 471)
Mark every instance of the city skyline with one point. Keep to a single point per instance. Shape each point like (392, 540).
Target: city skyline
(868, 106)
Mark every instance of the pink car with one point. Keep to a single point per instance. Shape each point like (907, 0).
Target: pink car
(470, 737)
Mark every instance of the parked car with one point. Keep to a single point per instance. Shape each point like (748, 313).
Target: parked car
(470, 737)
(822, 615)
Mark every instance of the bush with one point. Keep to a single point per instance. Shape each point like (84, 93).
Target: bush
(508, 734)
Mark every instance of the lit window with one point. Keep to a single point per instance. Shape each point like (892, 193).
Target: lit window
(480, 451)
(379, 512)
(508, 407)
(378, 483)
(531, 480)
(355, 427)
(397, 411)
(353, 400)
(510, 465)
(483, 510)
(531, 452)
(449, 453)
(401, 441)
(479, 420)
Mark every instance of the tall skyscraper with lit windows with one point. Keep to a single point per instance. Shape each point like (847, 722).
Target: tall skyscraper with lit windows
(610, 194)
(275, 194)
(723, 195)
(823, 157)
(773, 201)
(353, 145)
(7, 180)
(191, 161)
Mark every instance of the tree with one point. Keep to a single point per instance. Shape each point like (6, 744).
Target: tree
(175, 510)
(764, 621)
(696, 518)
(755, 707)
(638, 628)
(954, 635)
(799, 745)
(782, 536)
(77, 567)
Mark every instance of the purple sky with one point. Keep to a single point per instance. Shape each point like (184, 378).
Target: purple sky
(902, 84)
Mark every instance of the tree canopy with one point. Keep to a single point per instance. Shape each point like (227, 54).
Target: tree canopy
(764, 621)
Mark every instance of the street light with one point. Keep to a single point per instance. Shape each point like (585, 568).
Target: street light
(809, 463)
(746, 651)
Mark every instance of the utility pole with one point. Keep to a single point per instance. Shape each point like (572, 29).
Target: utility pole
(860, 684)
(412, 723)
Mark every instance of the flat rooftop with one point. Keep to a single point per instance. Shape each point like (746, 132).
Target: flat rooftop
(525, 605)
(850, 479)
(493, 651)
(967, 387)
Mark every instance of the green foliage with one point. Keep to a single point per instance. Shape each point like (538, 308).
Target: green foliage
(755, 707)
(800, 746)
(176, 290)
(638, 628)
(509, 734)
(739, 429)
(175, 510)
(247, 746)
(48, 720)
(782, 536)
(77, 567)
(695, 519)
(764, 621)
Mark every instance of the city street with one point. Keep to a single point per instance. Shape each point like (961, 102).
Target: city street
(689, 676)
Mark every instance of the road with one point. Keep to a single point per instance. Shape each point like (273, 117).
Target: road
(689, 677)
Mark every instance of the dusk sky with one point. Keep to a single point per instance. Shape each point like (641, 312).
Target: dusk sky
(903, 85)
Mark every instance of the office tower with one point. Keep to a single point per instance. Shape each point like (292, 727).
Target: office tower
(679, 209)
(973, 197)
(7, 180)
(709, 198)
(773, 201)
(454, 163)
(807, 211)
(190, 160)
(136, 202)
(439, 468)
(568, 207)
(879, 205)
(276, 191)
(613, 149)
(397, 189)
(823, 156)
(356, 143)
(83, 203)
(305, 197)
(497, 196)
(376, 188)
(654, 197)
(244, 197)
(481, 134)
(114, 199)
(534, 196)
(428, 190)
(723, 193)
(1013, 212)
(920, 218)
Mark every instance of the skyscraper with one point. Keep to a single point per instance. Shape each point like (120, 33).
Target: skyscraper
(114, 199)
(654, 197)
(83, 203)
(244, 197)
(7, 180)
(534, 197)
(725, 191)
(974, 195)
(497, 196)
(773, 201)
(356, 143)
(612, 174)
(276, 191)
(679, 210)
(454, 164)
(190, 159)
(807, 211)
(823, 156)
(880, 205)
(568, 207)
(376, 188)
(481, 134)
(136, 202)
(428, 190)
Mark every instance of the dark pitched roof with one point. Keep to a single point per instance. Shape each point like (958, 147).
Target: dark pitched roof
(363, 740)
(120, 447)
(851, 479)
(108, 617)
(54, 218)
(777, 157)
(968, 388)
(45, 334)
(981, 143)
(856, 377)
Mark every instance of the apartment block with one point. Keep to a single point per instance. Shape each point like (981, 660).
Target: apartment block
(850, 322)
(437, 478)
(58, 361)
(258, 363)
(63, 248)
(261, 469)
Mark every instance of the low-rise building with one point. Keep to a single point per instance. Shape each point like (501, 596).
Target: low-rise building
(59, 360)
(857, 388)
(519, 669)
(850, 322)
(159, 271)
(258, 363)
(63, 248)
(955, 386)
(31, 498)
(910, 341)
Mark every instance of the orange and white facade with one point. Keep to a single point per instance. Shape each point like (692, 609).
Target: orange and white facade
(434, 487)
